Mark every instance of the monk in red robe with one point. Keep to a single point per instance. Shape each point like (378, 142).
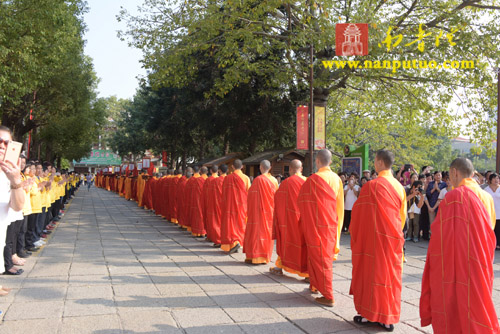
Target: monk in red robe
(173, 196)
(167, 200)
(376, 228)
(458, 275)
(147, 196)
(214, 207)
(207, 202)
(258, 243)
(188, 197)
(182, 205)
(163, 194)
(321, 206)
(290, 243)
(196, 212)
(234, 208)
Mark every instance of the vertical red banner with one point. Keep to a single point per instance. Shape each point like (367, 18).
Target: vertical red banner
(302, 127)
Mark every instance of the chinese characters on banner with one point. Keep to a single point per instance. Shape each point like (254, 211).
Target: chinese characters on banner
(351, 39)
(302, 127)
(319, 127)
(146, 163)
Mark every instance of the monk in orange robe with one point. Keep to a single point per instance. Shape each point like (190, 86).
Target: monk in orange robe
(188, 197)
(166, 192)
(141, 183)
(258, 243)
(208, 210)
(196, 212)
(458, 275)
(173, 195)
(147, 196)
(214, 207)
(128, 187)
(321, 206)
(234, 208)
(377, 241)
(290, 243)
(161, 195)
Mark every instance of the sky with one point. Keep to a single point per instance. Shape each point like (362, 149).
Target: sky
(116, 64)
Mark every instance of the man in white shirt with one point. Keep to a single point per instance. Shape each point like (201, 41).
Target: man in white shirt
(351, 193)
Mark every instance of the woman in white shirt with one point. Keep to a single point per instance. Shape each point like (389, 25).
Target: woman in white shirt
(12, 194)
(494, 190)
(415, 200)
(351, 193)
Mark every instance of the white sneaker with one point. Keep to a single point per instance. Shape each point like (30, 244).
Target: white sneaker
(38, 243)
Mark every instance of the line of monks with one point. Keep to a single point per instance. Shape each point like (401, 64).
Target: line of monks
(305, 217)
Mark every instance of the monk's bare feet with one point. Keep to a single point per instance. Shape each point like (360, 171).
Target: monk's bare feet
(6, 289)
(276, 271)
(324, 301)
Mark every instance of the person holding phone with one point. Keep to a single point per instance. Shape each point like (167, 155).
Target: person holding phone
(351, 193)
(12, 194)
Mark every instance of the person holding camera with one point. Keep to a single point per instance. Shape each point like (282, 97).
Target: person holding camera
(351, 193)
(415, 201)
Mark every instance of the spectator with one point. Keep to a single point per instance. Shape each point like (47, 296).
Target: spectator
(374, 174)
(367, 174)
(363, 181)
(486, 179)
(432, 194)
(351, 193)
(494, 190)
(415, 198)
(343, 177)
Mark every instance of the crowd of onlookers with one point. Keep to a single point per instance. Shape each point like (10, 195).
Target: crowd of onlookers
(424, 193)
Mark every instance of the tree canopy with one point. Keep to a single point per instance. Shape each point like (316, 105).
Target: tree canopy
(225, 53)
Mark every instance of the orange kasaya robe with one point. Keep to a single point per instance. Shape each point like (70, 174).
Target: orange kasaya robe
(179, 199)
(196, 210)
(159, 196)
(213, 208)
(234, 209)
(290, 243)
(172, 199)
(106, 182)
(377, 221)
(458, 275)
(147, 199)
(321, 206)
(134, 189)
(141, 183)
(258, 243)
(128, 188)
(207, 210)
(120, 186)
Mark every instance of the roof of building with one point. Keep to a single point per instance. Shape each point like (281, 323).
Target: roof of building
(270, 155)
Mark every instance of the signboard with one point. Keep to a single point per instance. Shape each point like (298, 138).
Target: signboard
(319, 127)
(117, 169)
(302, 127)
(146, 163)
(350, 165)
(101, 157)
(139, 166)
(131, 167)
(351, 39)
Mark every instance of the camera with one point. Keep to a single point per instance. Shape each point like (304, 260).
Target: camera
(420, 190)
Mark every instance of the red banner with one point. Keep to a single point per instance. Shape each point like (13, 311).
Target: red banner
(351, 39)
(302, 127)
(164, 158)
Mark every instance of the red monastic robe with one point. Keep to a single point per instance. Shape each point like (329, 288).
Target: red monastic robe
(206, 204)
(173, 199)
(166, 198)
(320, 204)
(234, 209)
(179, 199)
(196, 209)
(290, 243)
(134, 189)
(258, 243)
(154, 194)
(213, 208)
(147, 199)
(377, 241)
(188, 200)
(160, 190)
(458, 275)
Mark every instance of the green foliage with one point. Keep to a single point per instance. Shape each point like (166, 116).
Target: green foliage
(43, 69)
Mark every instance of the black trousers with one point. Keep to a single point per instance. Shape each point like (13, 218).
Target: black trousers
(424, 223)
(10, 243)
(497, 231)
(347, 220)
(21, 236)
(31, 230)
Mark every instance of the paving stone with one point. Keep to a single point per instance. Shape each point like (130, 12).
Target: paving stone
(124, 290)
(148, 322)
(90, 291)
(91, 306)
(106, 324)
(50, 326)
(40, 294)
(35, 310)
(251, 311)
(193, 317)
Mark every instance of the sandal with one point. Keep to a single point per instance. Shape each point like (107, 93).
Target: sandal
(276, 271)
(359, 320)
(384, 326)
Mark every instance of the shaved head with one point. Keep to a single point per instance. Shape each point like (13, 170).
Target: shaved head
(177, 172)
(189, 170)
(386, 156)
(196, 169)
(223, 168)
(324, 158)
(265, 166)
(170, 171)
(295, 166)
(204, 170)
(214, 169)
(463, 166)
(237, 164)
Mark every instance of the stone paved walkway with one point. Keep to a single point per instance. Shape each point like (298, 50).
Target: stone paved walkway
(111, 267)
